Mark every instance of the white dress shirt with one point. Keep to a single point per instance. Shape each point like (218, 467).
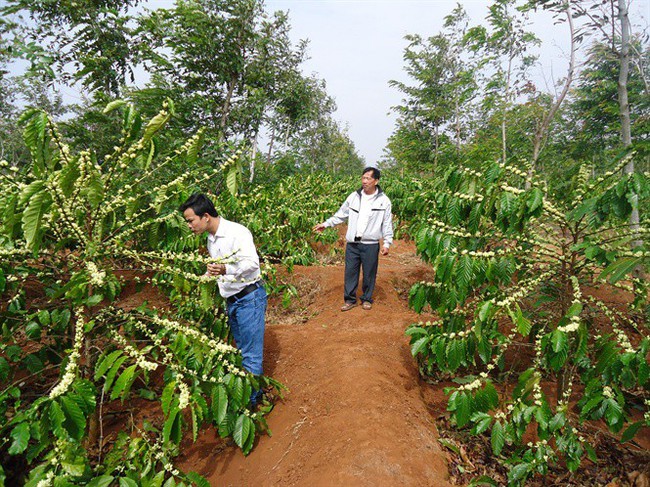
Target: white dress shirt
(234, 243)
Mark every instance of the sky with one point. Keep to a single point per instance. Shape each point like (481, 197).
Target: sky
(357, 47)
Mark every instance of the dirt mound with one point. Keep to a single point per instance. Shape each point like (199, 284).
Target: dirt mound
(354, 413)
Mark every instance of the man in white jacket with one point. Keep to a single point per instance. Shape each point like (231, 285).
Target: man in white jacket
(368, 211)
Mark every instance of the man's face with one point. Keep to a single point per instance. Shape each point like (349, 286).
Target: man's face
(197, 224)
(368, 182)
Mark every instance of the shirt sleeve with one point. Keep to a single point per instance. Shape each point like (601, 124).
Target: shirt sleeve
(245, 259)
(387, 226)
(341, 215)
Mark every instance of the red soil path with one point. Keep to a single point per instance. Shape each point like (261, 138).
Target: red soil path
(355, 413)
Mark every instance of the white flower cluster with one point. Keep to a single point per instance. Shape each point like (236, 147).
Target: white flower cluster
(158, 453)
(219, 347)
(97, 277)
(15, 252)
(548, 206)
(523, 289)
(430, 284)
(622, 339)
(574, 321)
(429, 324)
(646, 415)
(537, 391)
(475, 384)
(514, 170)
(472, 172)
(140, 359)
(71, 367)
(47, 481)
(146, 223)
(608, 392)
(119, 201)
(468, 197)
(67, 206)
(442, 227)
(583, 176)
(184, 397)
(616, 170)
(511, 189)
(475, 253)
(214, 345)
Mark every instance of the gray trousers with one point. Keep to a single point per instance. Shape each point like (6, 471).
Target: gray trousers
(358, 255)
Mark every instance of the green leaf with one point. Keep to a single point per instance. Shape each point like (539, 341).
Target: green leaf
(631, 431)
(114, 105)
(103, 481)
(535, 200)
(169, 422)
(106, 362)
(574, 310)
(75, 421)
(242, 430)
(57, 417)
(20, 436)
(482, 481)
(110, 375)
(559, 341)
(154, 125)
(498, 438)
(463, 409)
(620, 268)
(167, 396)
(231, 180)
(197, 479)
(519, 472)
(4, 369)
(220, 404)
(482, 422)
(419, 345)
(126, 482)
(75, 467)
(123, 382)
(38, 205)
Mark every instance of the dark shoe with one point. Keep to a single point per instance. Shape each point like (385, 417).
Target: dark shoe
(348, 306)
(366, 305)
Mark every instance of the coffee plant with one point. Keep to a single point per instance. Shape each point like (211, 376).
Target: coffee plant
(74, 227)
(520, 280)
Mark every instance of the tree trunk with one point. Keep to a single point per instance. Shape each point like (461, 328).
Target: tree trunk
(506, 103)
(226, 107)
(270, 151)
(624, 106)
(541, 134)
(253, 156)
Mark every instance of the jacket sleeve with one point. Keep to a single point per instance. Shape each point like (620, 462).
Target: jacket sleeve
(341, 215)
(387, 226)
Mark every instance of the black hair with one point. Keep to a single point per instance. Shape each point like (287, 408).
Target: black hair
(376, 173)
(200, 204)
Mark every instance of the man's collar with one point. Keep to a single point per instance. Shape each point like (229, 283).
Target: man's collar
(221, 231)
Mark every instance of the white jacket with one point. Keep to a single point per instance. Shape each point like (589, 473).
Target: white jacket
(380, 224)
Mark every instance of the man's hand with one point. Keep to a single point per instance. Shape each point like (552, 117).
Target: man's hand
(216, 269)
(384, 251)
(319, 228)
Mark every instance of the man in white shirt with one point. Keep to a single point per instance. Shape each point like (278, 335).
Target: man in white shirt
(239, 279)
(368, 211)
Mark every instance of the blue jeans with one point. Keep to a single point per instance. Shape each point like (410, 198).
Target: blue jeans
(246, 319)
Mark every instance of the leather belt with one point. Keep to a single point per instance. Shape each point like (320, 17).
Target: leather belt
(247, 290)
